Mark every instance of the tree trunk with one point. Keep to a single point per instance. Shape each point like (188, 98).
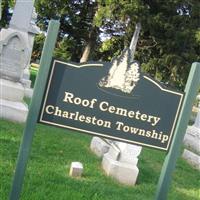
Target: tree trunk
(4, 14)
(92, 37)
(86, 52)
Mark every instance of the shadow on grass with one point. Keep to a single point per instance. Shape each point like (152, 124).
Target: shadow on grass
(54, 149)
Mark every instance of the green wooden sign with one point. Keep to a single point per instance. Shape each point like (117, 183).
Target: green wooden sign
(134, 102)
(113, 100)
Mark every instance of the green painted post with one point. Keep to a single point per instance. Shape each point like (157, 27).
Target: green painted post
(34, 109)
(0, 10)
(191, 89)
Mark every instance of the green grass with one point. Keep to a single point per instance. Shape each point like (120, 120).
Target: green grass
(53, 150)
(33, 76)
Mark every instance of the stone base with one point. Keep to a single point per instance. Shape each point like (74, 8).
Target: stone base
(14, 111)
(192, 158)
(28, 92)
(192, 139)
(99, 146)
(123, 172)
(11, 91)
(26, 83)
(26, 74)
(128, 153)
(76, 169)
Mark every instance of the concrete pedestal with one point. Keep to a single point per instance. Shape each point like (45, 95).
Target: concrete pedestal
(76, 169)
(192, 139)
(14, 111)
(9, 90)
(121, 162)
(12, 106)
(192, 158)
(28, 91)
(99, 146)
(123, 172)
(192, 143)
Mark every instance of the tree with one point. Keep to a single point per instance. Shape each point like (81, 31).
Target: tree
(172, 35)
(6, 14)
(169, 40)
(76, 18)
(168, 43)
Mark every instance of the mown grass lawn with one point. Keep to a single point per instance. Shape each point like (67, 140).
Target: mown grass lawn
(53, 150)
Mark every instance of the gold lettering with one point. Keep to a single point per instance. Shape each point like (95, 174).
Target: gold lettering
(119, 125)
(165, 138)
(81, 118)
(131, 114)
(48, 108)
(121, 111)
(101, 106)
(77, 101)
(142, 132)
(143, 117)
(134, 130)
(93, 101)
(71, 115)
(107, 124)
(58, 112)
(88, 120)
(154, 135)
(68, 97)
(111, 109)
(148, 134)
(65, 114)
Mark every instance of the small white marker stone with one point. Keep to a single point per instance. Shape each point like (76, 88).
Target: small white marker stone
(76, 169)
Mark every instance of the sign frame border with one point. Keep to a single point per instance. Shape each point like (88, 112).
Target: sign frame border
(100, 64)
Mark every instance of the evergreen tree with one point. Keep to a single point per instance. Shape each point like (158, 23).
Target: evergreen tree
(99, 30)
(6, 5)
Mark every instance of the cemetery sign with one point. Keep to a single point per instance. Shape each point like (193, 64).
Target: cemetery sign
(112, 100)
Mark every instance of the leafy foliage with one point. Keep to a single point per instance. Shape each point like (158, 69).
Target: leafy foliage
(99, 30)
(6, 14)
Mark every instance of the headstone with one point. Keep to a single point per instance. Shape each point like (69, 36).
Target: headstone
(99, 146)
(16, 44)
(24, 20)
(121, 162)
(192, 143)
(192, 158)
(120, 159)
(76, 169)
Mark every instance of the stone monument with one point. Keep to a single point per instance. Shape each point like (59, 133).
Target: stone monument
(19, 22)
(121, 162)
(16, 44)
(100, 146)
(192, 142)
(120, 159)
(76, 169)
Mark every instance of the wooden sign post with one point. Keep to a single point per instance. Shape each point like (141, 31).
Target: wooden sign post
(34, 109)
(191, 90)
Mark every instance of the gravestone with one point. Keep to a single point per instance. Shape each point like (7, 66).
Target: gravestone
(33, 30)
(19, 22)
(192, 142)
(100, 146)
(119, 158)
(121, 162)
(15, 51)
(76, 169)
